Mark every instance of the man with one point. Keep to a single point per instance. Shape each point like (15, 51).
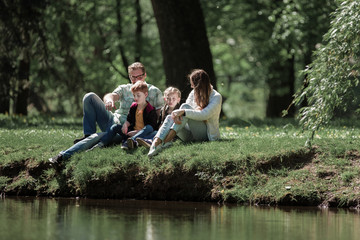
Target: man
(99, 111)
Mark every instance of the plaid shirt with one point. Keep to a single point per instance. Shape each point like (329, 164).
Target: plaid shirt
(126, 98)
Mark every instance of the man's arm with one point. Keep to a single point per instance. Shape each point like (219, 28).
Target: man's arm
(109, 100)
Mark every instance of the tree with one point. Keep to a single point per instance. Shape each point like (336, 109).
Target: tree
(333, 75)
(265, 43)
(184, 42)
(289, 31)
(52, 52)
(20, 26)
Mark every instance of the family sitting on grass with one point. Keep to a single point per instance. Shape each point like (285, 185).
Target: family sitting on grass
(142, 118)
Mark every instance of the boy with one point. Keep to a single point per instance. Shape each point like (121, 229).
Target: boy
(140, 122)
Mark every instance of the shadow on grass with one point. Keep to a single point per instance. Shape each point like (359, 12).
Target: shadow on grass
(293, 161)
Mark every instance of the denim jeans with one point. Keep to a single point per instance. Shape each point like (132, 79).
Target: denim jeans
(147, 132)
(95, 112)
(188, 130)
(150, 135)
(83, 145)
(116, 129)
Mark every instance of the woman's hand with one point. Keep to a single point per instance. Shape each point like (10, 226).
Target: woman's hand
(177, 115)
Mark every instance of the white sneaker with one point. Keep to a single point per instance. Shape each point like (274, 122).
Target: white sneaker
(154, 150)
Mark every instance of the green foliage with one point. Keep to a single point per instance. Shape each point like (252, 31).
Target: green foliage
(262, 45)
(3, 182)
(334, 74)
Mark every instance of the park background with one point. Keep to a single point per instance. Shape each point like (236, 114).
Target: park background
(267, 58)
(52, 53)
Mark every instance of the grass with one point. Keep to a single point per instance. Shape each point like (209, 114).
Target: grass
(255, 162)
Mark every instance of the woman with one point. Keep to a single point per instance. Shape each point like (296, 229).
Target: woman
(196, 120)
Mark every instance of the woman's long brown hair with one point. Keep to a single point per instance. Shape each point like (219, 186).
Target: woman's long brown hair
(202, 87)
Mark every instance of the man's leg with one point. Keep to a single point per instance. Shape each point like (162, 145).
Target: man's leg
(95, 112)
(111, 133)
(85, 144)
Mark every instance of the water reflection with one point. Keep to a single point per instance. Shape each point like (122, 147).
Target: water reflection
(41, 218)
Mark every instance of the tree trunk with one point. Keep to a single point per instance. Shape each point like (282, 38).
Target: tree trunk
(119, 31)
(23, 89)
(138, 32)
(184, 42)
(6, 72)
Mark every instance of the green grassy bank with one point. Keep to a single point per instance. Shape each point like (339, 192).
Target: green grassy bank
(256, 162)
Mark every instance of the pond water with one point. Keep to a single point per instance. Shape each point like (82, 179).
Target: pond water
(43, 218)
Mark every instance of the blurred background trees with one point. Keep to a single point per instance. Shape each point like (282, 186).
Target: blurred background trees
(52, 52)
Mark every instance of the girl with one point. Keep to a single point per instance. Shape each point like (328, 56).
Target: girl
(172, 97)
(196, 120)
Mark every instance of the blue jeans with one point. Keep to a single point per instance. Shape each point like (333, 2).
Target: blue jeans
(83, 145)
(188, 130)
(150, 135)
(147, 132)
(116, 129)
(95, 112)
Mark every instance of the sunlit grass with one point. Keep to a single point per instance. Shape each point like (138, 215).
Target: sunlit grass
(255, 161)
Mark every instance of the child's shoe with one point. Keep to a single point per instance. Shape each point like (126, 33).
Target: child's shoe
(125, 145)
(144, 142)
(154, 150)
(131, 143)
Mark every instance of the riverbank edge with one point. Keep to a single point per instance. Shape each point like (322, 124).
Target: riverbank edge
(28, 178)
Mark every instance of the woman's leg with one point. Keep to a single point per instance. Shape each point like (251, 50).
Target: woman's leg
(191, 130)
(188, 130)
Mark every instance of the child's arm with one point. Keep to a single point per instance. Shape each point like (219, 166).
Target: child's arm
(125, 127)
(132, 133)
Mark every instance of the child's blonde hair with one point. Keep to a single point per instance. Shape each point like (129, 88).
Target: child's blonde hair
(172, 90)
(139, 86)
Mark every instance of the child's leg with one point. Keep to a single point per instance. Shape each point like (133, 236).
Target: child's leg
(165, 128)
(150, 135)
(143, 132)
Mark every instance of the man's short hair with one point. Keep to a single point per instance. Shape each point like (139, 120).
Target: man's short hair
(136, 65)
(139, 86)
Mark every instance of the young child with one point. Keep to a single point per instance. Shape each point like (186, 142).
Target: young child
(172, 97)
(141, 120)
